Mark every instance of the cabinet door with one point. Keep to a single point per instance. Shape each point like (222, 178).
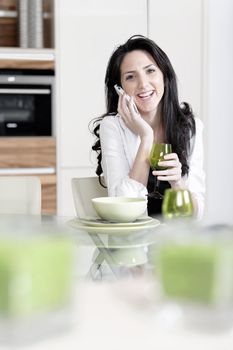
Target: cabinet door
(35, 156)
(176, 26)
(86, 34)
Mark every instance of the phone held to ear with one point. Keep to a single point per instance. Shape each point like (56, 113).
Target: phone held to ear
(120, 91)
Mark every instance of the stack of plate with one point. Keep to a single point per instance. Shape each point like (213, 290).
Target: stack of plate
(96, 225)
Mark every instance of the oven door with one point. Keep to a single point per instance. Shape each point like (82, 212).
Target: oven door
(25, 110)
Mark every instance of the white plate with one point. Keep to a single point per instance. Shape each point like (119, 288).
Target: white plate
(95, 221)
(112, 230)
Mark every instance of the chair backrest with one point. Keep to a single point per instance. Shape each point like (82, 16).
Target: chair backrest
(20, 195)
(83, 190)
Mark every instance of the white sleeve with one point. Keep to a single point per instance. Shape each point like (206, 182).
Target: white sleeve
(115, 163)
(196, 179)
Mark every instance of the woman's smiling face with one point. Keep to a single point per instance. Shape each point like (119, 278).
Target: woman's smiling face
(142, 79)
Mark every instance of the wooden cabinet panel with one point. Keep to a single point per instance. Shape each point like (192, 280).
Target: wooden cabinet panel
(49, 188)
(8, 32)
(10, 23)
(35, 156)
(26, 63)
(27, 152)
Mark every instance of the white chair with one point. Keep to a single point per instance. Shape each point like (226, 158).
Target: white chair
(83, 190)
(20, 195)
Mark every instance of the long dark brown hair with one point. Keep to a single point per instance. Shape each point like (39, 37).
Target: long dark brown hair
(177, 119)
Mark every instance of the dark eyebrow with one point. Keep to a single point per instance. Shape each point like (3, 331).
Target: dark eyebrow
(149, 65)
(128, 72)
(133, 71)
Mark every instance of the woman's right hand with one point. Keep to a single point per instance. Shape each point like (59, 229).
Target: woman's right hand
(133, 119)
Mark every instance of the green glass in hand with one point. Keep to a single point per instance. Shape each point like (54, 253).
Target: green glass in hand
(157, 153)
(177, 203)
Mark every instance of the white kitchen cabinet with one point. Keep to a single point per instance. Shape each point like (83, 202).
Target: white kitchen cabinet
(218, 107)
(198, 38)
(177, 27)
(86, 34)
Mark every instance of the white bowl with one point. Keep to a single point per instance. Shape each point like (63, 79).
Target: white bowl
(120, 209)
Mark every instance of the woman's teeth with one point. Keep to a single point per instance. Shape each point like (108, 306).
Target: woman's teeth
(146, 94)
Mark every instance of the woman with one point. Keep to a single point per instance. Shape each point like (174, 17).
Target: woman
(125, 136)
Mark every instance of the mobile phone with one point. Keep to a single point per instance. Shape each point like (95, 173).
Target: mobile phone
(120, 91)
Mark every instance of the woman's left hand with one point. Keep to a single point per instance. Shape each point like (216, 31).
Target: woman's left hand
(173, 173)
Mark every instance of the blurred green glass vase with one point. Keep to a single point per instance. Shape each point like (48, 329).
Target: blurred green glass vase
(35, 275)
(177, 203)
(197, 272)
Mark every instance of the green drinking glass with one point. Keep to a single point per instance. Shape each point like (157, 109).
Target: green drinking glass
(157, 153)
(177, 203)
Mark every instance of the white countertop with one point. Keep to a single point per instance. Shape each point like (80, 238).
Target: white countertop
(19, 53)
(121, 315)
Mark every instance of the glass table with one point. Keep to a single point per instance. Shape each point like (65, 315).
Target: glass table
(124, 247)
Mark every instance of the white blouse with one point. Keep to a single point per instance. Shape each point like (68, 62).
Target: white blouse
(119, 147)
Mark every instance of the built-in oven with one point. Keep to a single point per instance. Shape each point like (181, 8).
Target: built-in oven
(26, 102)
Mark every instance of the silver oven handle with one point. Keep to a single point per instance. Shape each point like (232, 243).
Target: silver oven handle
(27, 171)
(26, 91)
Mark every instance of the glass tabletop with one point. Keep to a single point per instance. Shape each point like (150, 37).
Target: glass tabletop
(126, 247)
(116, 236)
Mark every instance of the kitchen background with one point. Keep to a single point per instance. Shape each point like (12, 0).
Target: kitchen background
(71, 41)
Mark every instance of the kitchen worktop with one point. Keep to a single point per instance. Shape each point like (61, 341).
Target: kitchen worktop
(27, 58)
